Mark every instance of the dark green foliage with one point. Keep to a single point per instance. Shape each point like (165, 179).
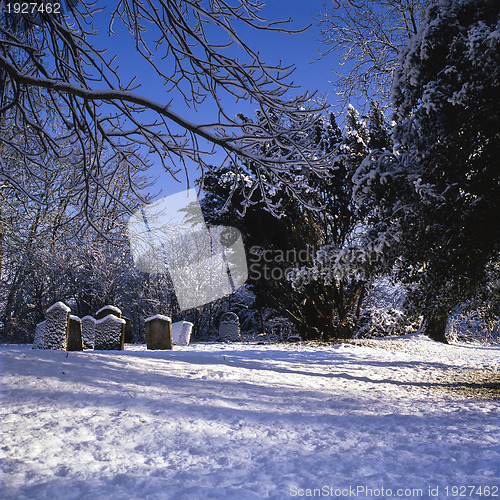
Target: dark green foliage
(439, 194)
(323, 215)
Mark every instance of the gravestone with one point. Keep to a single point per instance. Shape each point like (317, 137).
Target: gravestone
(75, 334)
(109, 333)
(181, 332)
(56, 326)
(129, 337)
(39, 334)
(88, 332)
(229, 327)
(104, 311)
(159, 332)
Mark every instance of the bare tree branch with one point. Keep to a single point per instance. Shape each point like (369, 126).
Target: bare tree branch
(368, 36)
(58, 85)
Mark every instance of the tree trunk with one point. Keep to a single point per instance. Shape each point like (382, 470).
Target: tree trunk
(345, 331)
(435, 327)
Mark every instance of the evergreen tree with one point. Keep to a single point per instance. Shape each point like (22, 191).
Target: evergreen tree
(310, 286)
(436, 199)
(340, 267)
(273, 213)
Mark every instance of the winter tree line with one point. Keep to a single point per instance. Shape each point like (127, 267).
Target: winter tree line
(400, 211)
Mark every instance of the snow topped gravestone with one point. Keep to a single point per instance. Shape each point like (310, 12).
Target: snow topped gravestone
(159, 332)
(104, 311)
(56, 326)
(109, 333)
(39, 334)
(181, 332)
(75, 334)
(229, 327)
(88, 332)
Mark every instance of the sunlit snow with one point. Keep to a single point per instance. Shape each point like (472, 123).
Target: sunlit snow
(248, 421)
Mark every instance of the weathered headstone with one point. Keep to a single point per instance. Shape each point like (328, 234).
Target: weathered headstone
(75, 334)
(181, 332)
(129, 338)
(56, 326)
(159, 332)
(104, 311)
(88, 332)
(229, 327)
(109, 333)
(39, 335)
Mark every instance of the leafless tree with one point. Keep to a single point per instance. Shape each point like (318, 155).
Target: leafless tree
(48, 250)
(368, 36)
(59, 86)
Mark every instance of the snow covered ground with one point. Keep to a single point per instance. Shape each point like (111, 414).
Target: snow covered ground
(414, 419)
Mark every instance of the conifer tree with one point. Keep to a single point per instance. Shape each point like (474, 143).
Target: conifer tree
(436, 199)
(322, 291)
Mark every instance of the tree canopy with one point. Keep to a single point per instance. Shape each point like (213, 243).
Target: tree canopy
(440, 188)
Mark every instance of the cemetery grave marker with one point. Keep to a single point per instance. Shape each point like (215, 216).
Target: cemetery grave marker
(159, 332)
(75, 342)
(56, 327)
(39, 335)
(181, 332)
(88, 332)
(109, 333)
(229, 327)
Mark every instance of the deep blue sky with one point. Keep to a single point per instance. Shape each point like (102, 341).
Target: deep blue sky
(300, 50)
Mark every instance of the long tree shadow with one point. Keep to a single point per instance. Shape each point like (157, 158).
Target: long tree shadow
(105, 368)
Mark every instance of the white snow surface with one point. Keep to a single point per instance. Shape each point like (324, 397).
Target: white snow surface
(108, 308)
(158, 316)
(250, 421)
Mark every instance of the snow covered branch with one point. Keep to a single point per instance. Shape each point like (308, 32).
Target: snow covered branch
(369, 36)
(58, 85)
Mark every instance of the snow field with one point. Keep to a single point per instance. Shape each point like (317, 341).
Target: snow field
(247, 421)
